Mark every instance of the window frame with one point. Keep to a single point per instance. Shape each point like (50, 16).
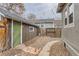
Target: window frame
(68, 24)
(65, 21)
(42, 25)
(30, 29)
(70, 21)
(71, 13)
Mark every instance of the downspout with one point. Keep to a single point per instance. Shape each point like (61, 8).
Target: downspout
(21, 32)
(12, 33)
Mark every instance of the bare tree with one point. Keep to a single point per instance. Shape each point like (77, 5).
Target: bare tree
(31, 16)
(14, 7)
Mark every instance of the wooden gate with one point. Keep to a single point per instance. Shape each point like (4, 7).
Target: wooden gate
(53, 32)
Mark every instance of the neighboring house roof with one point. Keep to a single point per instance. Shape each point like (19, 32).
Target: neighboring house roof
(57, 23)
(61, 7)
(41, 20)
(14, 16)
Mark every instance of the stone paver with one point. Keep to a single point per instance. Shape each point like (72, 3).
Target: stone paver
(54, 48)
(46, 48)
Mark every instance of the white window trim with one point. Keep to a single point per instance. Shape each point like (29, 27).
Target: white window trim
(69, 24)
(65, 9)
(31, 30)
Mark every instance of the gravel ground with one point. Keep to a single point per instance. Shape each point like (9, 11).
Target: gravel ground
(15, 52)
(40, 42)
(31, 47)
(58, 49)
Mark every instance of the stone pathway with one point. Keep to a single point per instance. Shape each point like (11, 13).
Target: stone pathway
(54, 48)
(37, 46)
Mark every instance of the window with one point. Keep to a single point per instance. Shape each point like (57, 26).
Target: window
(70, 13)
(42, 25)
(65, 21)
(71, 18)
(31, 29)
(66, 16)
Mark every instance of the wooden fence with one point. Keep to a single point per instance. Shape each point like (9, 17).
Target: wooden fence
(3, 33)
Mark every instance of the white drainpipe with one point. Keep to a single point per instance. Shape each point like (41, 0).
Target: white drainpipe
(12, 33)
(21, 32)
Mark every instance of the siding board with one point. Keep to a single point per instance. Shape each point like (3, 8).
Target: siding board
(16, 34)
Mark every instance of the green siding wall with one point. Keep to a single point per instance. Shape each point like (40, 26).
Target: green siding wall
(16, 34)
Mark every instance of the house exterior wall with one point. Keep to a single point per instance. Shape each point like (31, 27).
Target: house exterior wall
(8, 34)
(34, 33)
(45, 25)
(25, 33)
(11, 31)
(48, 26)
(71, 34)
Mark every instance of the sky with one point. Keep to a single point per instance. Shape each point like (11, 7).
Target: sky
(42, 10)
